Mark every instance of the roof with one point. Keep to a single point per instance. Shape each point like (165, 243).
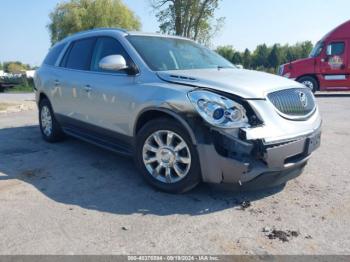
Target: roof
(155, 35)
(342, 30)
(121, 31)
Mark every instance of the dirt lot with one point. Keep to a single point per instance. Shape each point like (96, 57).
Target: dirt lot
(75, 198)
(15, 106)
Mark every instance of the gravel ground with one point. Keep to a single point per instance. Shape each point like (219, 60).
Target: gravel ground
(74, 198)
(12, 103)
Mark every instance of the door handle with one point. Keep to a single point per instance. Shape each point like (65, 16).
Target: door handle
(87, 88)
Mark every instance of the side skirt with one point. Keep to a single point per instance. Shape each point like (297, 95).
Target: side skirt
(98, 136)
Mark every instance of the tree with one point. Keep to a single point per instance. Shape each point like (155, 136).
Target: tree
(226, 51)
(1, 67)
(237, 58)
(247, 59)
(78, 15)
(261, 54)
(266, 58)
(305, 48)
(189, 18)
(275, 57)
(15, 67)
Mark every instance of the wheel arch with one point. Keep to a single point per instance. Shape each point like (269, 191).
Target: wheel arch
(314, 76)
(42, 96)
(154, 113)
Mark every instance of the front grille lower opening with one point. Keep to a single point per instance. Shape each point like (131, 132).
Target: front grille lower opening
(294, 159)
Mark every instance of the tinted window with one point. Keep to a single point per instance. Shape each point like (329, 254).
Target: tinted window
(65, 57)
(317, 49)
(79, 56)
(53, 54)
(162, 53)
(337, 48)
(106, 46)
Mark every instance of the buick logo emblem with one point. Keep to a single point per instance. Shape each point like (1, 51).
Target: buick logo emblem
(302, 98)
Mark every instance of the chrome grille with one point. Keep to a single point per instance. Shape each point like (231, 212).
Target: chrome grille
(295, 103)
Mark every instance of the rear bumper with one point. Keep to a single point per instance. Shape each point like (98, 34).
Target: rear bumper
(255, 162)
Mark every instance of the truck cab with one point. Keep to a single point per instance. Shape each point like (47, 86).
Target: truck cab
(328, 66)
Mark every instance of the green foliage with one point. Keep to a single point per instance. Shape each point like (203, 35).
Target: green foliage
(260, 56)
(78, 15)
(192, 19)
(298, 50)
(22, 88)
(247, 58)
(237, 58)
(275, 56)
(15, 67)
(266, 58)
(226, 51)
(1, 66)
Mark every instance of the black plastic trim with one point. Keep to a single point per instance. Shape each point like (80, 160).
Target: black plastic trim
(105, 138)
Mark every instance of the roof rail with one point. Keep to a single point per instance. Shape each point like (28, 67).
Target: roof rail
(101, 28)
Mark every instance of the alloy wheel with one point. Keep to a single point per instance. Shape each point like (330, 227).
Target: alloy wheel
(166, 156)
(46, 120)
(308, 84)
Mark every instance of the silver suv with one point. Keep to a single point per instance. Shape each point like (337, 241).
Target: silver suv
(185, 113)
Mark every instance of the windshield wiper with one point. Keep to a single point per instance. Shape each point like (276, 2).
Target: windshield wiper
(223, 67)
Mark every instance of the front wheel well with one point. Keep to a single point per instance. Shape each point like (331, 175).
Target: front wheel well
(42, 96)
(310, 75)
(153, 114)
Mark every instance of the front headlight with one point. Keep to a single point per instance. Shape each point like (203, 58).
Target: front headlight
(219, 111)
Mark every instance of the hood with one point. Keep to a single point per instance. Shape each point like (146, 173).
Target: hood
(244, 83)
(304, 61)
(306, 65)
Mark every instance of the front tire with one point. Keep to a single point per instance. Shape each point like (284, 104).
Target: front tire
(49, 127)
(166, 157)
(309, 82)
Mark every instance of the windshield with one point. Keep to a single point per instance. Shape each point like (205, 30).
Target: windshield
(317, 50)
(162, 54)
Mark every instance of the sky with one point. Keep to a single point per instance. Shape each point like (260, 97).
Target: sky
(24, 35)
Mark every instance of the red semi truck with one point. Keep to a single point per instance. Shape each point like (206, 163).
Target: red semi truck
(328, 66)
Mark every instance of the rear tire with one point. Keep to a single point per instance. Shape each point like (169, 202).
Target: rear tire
(309, 82)
(166, 157)
(49, 127)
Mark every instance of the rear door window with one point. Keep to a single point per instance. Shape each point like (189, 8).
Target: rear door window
(79, 54)
(106, 46)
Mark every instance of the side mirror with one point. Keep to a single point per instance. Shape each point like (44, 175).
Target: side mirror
(113, 63)
(329, 50)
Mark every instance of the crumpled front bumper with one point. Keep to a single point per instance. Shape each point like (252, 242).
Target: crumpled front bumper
(229, 159)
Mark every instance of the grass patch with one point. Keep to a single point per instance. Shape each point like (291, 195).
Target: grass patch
(20, 89)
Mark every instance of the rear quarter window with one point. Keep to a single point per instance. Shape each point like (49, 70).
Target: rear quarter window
(53, 54)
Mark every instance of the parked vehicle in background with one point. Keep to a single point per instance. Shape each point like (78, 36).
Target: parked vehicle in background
(185, 113)
(8, 81)
(328, 67)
